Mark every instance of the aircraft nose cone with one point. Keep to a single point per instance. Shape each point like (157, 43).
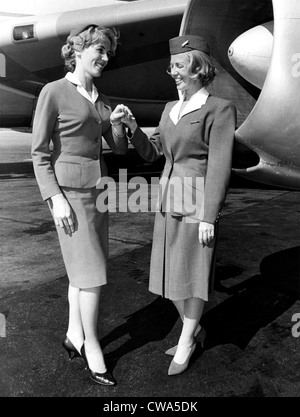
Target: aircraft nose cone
(250, 53)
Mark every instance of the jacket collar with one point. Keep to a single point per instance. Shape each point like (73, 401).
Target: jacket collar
(74, 80)
(196, 102)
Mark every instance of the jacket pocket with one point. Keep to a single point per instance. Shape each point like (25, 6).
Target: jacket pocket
(76, 174)
(181, 196)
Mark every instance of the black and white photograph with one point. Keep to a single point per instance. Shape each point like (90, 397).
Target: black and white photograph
(150, 202)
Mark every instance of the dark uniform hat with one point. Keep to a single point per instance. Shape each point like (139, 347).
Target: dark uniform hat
(81, 28)
(187, 43)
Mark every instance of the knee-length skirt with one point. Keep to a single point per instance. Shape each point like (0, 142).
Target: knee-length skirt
(85, 252)
(180, 266)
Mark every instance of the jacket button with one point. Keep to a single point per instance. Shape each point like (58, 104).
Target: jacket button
(98, 122)
(97, 140)
(96, 157)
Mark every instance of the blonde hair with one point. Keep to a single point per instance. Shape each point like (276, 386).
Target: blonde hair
(200, 66)
(90, 36)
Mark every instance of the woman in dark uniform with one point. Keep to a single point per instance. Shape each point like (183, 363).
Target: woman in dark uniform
(74, 116)
(196, 136)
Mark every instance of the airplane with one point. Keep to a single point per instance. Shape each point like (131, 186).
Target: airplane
(31, 46)
(254, 44)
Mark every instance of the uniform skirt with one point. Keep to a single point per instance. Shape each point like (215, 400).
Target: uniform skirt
(85, 252)
(180, 267)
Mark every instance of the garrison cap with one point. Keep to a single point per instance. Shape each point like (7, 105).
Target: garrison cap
(76, 31)
(186, 43)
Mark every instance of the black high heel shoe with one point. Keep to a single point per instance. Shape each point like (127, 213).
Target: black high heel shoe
(105, 378)
(70, 348)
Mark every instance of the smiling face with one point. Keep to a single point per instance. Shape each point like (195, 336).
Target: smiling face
(179, 71)
(93, 59)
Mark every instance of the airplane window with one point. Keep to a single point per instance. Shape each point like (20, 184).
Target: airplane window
(23, 33)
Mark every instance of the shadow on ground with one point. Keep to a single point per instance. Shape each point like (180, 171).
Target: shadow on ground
(13, 169)
(250, 306)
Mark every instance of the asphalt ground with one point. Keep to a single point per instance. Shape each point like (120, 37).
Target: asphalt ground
(252, 348)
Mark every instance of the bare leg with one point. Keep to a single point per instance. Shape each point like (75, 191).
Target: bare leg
(75, 329)
(193, 308)
(89, 308)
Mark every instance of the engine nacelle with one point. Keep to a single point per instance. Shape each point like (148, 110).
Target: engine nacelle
(250, 54)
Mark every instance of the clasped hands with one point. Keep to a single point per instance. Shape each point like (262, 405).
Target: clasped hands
(122, 114)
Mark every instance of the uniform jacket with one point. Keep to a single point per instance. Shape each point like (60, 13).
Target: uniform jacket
(75, 126)
(199, 146)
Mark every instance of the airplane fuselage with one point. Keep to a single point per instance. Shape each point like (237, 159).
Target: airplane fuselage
(30, 54)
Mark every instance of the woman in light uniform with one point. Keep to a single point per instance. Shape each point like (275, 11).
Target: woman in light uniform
(74, 116)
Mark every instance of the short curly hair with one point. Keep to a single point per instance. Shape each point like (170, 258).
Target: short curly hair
(91, 35)
(200, 66)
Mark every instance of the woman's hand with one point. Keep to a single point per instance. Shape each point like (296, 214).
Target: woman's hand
(117, 115)
(122, 114)
(129, 120)
(206, 233)
(62, 213)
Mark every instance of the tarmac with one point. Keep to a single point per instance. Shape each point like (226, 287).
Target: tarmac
(252, 318)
